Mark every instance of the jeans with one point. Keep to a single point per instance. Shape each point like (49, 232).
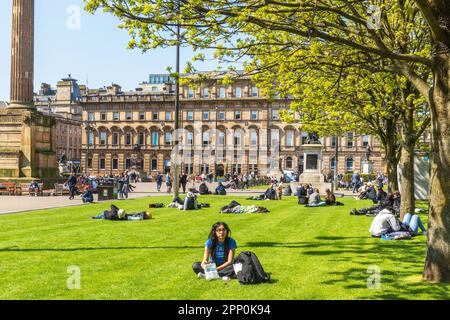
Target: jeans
(158, 186)
(414, 222)
(317, 204)
(227, 272)
(100, 216)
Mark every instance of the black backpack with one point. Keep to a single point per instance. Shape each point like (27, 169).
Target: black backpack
(252, 270)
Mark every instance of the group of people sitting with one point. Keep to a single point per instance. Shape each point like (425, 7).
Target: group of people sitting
(310, 197)
(387, 225)
(368, 191)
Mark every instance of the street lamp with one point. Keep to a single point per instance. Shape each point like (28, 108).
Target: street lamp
(176, 190)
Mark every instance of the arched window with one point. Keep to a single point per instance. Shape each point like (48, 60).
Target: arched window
(128, 138)
(155, 138)
(333, 163)
(205, 138)
(253, 138)
(237, 137)
(115, 163)
(115, 138)
(102, 137)
(350, 140)
(289, 138)
(141, 138)
(102, 163)
(168, 138)
(289, 163)
(349, 164)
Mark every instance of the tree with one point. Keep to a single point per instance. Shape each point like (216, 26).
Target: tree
(387, 33)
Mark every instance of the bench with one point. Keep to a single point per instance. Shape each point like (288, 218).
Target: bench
(60, 190)
(32, 191)
(8, 188)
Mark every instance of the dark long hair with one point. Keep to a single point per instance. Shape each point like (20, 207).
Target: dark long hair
(213, 238)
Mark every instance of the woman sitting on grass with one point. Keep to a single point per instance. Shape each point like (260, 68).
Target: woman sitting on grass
(220, 249)
(314, 200)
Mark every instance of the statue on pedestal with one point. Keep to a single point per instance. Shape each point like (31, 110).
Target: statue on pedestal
(368, 152)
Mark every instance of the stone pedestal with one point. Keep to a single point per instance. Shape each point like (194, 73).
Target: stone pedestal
(27, 144)
(312, 165)
(367, 167)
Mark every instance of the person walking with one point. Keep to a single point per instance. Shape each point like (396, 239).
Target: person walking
(159, 181)
(72, 182)
(183, 181)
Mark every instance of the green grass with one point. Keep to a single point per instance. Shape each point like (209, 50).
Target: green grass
(311, 253)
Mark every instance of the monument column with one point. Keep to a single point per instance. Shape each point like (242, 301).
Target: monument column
(22, 55)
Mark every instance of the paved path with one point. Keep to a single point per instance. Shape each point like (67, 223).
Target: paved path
(13, 204)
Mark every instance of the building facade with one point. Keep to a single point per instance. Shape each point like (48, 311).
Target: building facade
(64, 104)
(224, 129)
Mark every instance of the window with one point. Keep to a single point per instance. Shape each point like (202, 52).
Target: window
(237, 115)
(333, 163)
(129, 116)
(238, 92)
(289, 138)
(103, 116)
(333, 141)
(128, 138)
(127, 164)
(102, 165)
(221, 138)
(304, 137)
(350, 139)
(115, 138)
(190, 115)
(89, 164)
(90, 137)
(237, 138)
(168, 116)
(206, 138)
(167, 138)
(115, 164)
(141, 138)
(155, 115)
(141, 115)
(116, 116)
(255, 91)
(349, 164)
(365, 139)
(102, 138)
(275, 115)
(154, 89)
(288, 163)
(254, 115)
(205, 115)
(205, 92)
(221, 115)
(190, 93)
(155, 138)
(91, 116)
(190, 138)
(154, 165)
(253, 138)
(221, 92)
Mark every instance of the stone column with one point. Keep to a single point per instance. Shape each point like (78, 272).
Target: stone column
(22, 55)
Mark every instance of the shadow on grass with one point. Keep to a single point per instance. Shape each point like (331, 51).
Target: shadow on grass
(15, 249)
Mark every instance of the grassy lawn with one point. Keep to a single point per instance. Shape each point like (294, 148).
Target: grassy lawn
(311, 253)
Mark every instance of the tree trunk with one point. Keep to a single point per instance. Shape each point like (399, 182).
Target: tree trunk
(437, 263)
(407, 181)
(391, 155)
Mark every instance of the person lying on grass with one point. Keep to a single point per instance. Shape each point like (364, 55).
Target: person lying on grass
(220, 249)
(119, 214)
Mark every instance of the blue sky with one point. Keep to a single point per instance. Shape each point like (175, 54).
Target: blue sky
(95, 51)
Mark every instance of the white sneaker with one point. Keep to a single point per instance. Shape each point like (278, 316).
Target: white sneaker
(201, 275)
(226, 278)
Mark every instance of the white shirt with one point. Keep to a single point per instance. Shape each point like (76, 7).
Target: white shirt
(383, 222)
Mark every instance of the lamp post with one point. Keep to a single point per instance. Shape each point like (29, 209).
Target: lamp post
(176, 190)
